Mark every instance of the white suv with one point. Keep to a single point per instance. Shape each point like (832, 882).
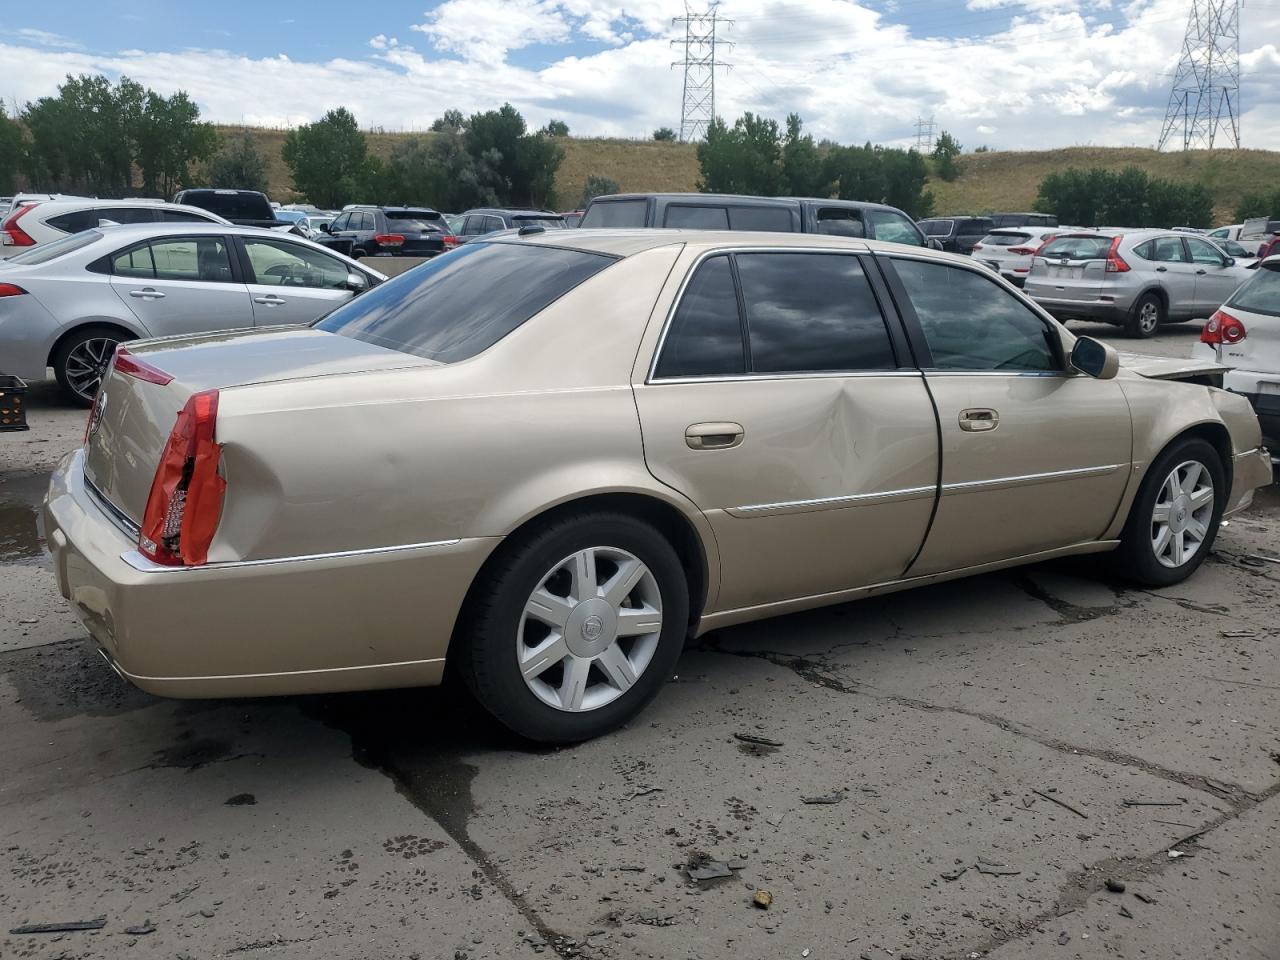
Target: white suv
(32, 224)
(1245, 335)
(1009, 250)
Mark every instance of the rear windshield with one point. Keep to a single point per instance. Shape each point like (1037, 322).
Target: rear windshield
(616, 213)
(541, 220)
(1077, 248)
(414, 224)
(57, 248)
(455, 306)
(935, 228)
(1005, 239)
(232, 206)
(1260, 294)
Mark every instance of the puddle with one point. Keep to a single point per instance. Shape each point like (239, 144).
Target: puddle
(20, 536)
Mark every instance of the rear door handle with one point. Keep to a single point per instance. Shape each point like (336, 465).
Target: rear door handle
(1162, 269)
(979, 420)
(713, 436)
(270, 299)
(1201, 273)
(147, 293)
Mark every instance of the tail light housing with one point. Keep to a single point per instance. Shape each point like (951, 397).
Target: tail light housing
(389, 239)
(1223, 328)
(130, 365)
(185, 502)
(1023, 251)
(450, 241)
(12, 234)
(11, 290)
(977, 246)
(1115, 262)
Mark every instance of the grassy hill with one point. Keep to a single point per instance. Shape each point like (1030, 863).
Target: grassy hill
(998, 180)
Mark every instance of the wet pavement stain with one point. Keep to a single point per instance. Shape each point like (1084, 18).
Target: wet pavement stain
(62, 680)
(20, 536)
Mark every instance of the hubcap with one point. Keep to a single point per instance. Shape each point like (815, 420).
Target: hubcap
(589, 629)
(1149, 317)
(87, 362)
(1182, 514)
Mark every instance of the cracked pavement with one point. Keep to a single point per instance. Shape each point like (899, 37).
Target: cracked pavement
(998, 749)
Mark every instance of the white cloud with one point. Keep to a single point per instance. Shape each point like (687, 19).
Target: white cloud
(45, 38)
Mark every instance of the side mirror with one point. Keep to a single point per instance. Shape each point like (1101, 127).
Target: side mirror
(935, 244)
(356, 282)
(1231, 262)
(327, 227)
(1095, 359)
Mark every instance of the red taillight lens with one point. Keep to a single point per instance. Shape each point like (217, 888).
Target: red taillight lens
(1223, 328)
(185, 503)
(128, 364)
(389, 240)
(977, 246)
(1115, 262)
(12, 235)
(11, 290)
(1023, 251)
(450, 241)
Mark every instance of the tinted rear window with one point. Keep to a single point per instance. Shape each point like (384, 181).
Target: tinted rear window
(1005, 239)
(1261, 294)
(1077, 248)
(551, 223)
(73, 221)
(455, 306)
(232, 206)
(972, 228)
(413, 225)
(935, 228)
(616, 213)
(696, 218)
(768, 219)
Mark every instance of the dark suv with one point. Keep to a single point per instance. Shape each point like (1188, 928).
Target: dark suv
(392, 231)
(482, 220)
(999, 220)
(717, 211)
(247, 208)
(957, 234)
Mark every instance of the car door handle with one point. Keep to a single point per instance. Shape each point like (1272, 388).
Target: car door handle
(713, 436)
(146, 293)
(1162, 269)
(270, 299)
(1201, 273)
(978, 420)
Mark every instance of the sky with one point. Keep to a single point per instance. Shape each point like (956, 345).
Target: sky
(1008, 74)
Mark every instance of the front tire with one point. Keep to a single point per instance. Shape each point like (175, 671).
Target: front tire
(1147, 316)
(81, 360)
(1174, 518)
(576, 627)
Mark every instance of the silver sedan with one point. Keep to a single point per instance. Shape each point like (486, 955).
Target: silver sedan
(67, 304)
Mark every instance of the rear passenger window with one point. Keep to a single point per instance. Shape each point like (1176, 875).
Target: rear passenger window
(972, 323)
(705, 339)
(181, 216)
(697, 218)
(811, 313)
(1165, 250)
(126, 214)
(134, 262)
(768, 219)
(841, 222)
(616, 213)
(74, 221)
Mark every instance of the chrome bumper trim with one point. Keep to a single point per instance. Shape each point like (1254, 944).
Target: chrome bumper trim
(136, 560)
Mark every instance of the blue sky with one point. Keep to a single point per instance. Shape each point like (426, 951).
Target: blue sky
(1008, 73)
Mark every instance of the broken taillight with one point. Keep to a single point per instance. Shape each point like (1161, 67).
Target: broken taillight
(1223, 328)
(185, 502)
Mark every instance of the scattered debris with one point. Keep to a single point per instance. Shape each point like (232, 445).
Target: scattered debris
(757, 740)
(1064, 938)
(631, 868)
(241, 800)
(1174, 823)
(995, 869)
(69, 927)
(763, 900)
(141, 930)
(835, 796)
(27, 621)
(1143, 897)
(1238, 634)
(1275, 755)
(1061, 803)
(1124, 912)
(1257, 560)
(701, 867)
(1115, 886)
(1153, 803)
(643, 792)
(1175, 854)
(804, 952)
(955, 874)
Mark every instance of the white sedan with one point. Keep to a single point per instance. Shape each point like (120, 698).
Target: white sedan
(67, 304)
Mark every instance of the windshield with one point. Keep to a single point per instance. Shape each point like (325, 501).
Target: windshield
(453, 307)
(1261, 294)
(1005, 239)
(1077, 248)
(935, 228)
(541, 221)
(58, 248)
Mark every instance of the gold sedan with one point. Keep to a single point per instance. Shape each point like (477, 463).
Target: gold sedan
(547, 460)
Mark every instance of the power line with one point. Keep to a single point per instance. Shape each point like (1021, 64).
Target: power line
(924, 134)
(1206, 88)
(698, 106)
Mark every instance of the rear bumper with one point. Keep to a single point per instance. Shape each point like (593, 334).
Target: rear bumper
(1103, 311)
(354, 621)
(1251, 470)
(1250, 385)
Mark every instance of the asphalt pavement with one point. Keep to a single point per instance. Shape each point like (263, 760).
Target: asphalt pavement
(1043, 762)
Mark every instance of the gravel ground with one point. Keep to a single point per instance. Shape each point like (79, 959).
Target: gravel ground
(990, 753)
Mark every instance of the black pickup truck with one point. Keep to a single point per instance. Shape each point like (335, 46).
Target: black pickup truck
(247, 208)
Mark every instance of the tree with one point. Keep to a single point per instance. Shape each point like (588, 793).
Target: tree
(527, 163)
(239, 165)
(556, 128)
(856, 172)
(167, 137)
(598, 186)
(1258, 205)
(664, 134)
(801, 165)
(11, 147)
(744, 158)
(946, 154)
(1126, 199)
(329, 160)
(905, 175)
(451, 121)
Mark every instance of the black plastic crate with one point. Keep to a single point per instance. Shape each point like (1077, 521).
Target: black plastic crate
(13, 404)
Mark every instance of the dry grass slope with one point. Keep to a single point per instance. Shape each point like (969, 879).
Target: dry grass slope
(1003, 180)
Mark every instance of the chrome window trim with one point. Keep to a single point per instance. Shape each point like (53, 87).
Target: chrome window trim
(756, 377)
(820, 503)
(113, 513)
(136, 560)
(1027, 479)
(651, 376)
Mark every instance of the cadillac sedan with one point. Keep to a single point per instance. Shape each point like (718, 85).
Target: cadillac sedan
(544, 461)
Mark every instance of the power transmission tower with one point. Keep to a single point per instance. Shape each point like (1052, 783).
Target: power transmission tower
(1205, 99)
(924, 134)
(700, 42)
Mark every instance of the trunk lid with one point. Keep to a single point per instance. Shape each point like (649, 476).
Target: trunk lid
(132, 417)
(1173, 368)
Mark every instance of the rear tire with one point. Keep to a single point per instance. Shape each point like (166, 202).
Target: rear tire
(1147, 316)
(82, 358)
(599, 667)
(1174, 518)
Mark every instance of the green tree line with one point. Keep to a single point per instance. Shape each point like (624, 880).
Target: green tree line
(1129, 198)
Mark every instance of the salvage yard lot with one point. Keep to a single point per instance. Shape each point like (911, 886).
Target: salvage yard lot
(995, 748)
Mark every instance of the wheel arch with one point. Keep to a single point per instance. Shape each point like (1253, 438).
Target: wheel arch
(1212, 431)
(1161, 294)
(78, 326)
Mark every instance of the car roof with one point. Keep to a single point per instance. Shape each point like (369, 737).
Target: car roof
(88, 203)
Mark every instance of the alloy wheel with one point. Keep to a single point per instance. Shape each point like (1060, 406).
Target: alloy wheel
(87, 363)
(1182, 513)
(1149, 316)
(589, 629)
